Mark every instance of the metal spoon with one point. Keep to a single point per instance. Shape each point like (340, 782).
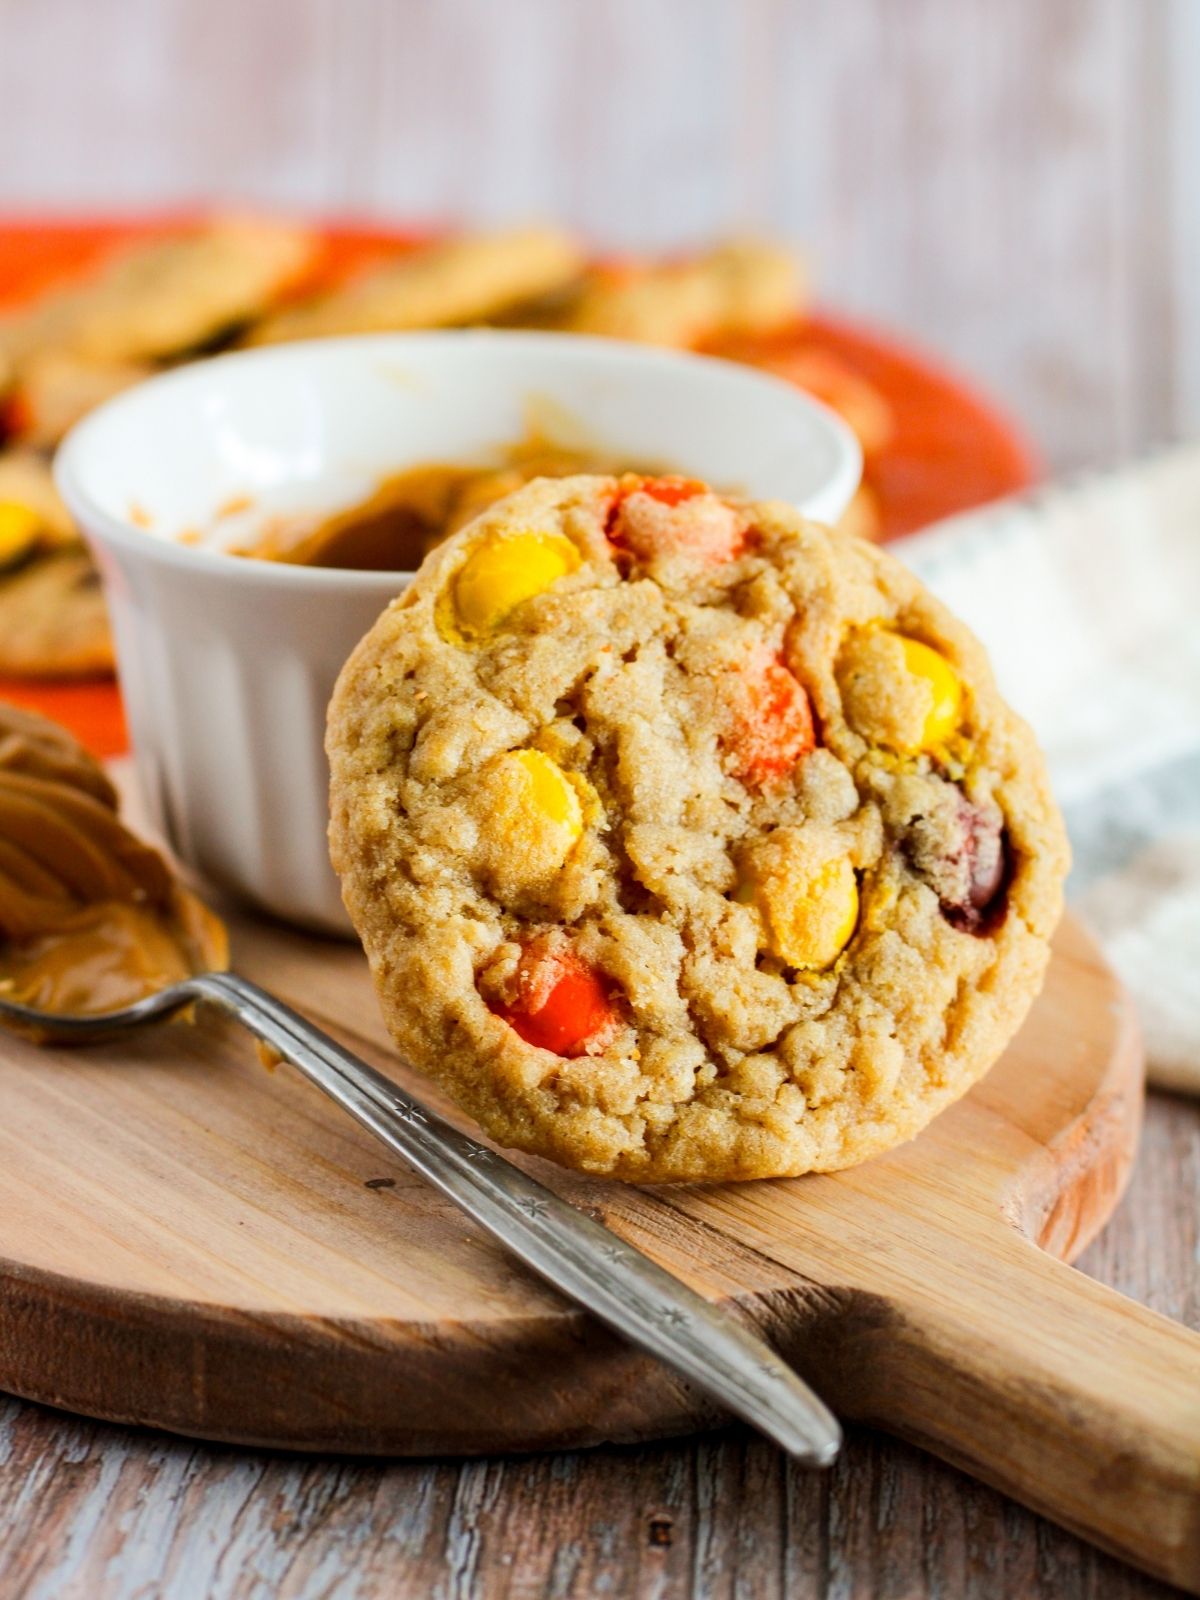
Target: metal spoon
(579, 1256)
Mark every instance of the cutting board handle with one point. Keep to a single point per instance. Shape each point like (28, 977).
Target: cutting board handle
(1054, 1388)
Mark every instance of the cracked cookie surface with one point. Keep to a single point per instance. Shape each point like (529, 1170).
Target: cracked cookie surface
(687, 839)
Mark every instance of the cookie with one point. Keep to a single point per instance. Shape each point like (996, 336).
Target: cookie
(742, 287)
(53, 621)
(687, 839)
(164, 298)
(452, 282)
(31, 511)
(58, 389)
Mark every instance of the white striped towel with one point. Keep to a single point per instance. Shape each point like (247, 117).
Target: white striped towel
(1087, 596)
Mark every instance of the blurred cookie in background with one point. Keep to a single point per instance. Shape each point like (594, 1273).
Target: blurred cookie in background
(734, 301)
(77, 344)
(164, 298)
(52, 618)
(58, 388)
(143, 306)
(199, 288)
(32, 517)
(473, 277)
(742, 286)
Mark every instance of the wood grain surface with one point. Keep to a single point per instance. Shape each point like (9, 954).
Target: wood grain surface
(95, 1512)
(205, 1251)
(1012, 184)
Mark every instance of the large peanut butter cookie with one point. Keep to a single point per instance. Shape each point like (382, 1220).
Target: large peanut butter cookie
(688, 839)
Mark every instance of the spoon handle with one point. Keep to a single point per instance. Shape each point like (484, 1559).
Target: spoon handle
(585, 1260)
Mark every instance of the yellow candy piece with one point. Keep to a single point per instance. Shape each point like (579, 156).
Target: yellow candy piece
(529, 817)
(551, 794)
(500, 573)
(931, 666)
(897, 692)
(20, 528)
(808, 919)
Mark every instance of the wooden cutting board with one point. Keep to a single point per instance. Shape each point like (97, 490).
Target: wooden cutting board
(192, 1241)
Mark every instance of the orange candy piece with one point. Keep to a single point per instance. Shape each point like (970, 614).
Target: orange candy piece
(562, 1004)
(669, 491)
(772, 724)
(647, 520)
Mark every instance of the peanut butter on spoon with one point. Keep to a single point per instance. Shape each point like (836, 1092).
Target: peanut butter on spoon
(91, 919)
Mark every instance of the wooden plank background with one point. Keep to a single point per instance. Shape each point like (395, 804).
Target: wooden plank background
(1013, 184)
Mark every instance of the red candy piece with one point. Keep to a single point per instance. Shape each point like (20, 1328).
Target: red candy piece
(772, 725)
(562, 1004)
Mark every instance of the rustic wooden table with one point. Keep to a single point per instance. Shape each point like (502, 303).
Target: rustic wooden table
(91, 1512)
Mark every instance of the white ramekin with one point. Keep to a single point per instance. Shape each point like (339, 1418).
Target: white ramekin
(226, 664)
